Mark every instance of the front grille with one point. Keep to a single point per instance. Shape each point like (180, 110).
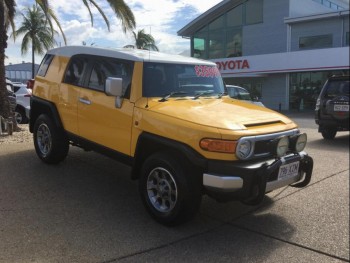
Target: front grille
(263, 143)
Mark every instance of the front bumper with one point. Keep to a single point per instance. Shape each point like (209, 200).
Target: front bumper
(249, 181)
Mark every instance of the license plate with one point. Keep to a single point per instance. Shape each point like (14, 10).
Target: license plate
(341, 107)
(288, 170)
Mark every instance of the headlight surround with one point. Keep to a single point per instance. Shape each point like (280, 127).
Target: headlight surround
(282, 146)
(244, 149)
(298, 142)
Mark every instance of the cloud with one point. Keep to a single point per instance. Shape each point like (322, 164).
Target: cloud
(162, 19)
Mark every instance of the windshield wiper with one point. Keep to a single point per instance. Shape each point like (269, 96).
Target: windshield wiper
(166, 97)
(202, 93)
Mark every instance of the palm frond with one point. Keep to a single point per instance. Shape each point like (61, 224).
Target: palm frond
(124, 13)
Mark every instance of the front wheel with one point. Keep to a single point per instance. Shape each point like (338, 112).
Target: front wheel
(169, 192)
(51, 144)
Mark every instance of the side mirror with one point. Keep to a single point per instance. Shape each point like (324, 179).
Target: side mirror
(114, 87)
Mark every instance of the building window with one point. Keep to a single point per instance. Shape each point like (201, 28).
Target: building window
(314, 42)
(234, 42)
(216, 44)
(199, 44)
(347, 39)
(235, 16)
(306, 86)
(217, 23)
(254, 12)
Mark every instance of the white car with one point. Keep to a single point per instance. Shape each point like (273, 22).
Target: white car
(23, 102)
(239, 93)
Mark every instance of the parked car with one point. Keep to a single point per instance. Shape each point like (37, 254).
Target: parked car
(30, 84)
(332, 107)
(166, 117)
(23, 95)
(11, 95)
(237, 92)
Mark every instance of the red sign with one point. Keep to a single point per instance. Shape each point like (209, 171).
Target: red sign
(233, 64)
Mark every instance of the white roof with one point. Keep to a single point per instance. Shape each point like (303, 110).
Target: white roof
(128, 54)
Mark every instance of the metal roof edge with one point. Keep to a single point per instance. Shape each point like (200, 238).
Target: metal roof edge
(213, 12)
(291, 20)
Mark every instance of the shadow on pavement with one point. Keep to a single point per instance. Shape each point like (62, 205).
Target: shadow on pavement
(87, 209)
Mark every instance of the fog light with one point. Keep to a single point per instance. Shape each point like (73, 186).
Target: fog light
(244, 149)
(300, 143)
(282, 146)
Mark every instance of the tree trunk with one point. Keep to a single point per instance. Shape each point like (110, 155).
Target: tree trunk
(33, 60)
(4, 103)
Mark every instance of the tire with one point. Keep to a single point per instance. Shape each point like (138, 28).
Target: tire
(51, 144)
(20, 116)
(328, 133)
(170, 194)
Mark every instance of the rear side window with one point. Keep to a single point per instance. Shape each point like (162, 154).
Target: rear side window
(44, 66)
(75, 72)
(103, 68)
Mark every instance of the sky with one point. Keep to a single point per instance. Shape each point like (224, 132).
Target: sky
(161, 18)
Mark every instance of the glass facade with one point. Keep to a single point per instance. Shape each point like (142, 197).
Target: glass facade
(314, 42)
(222, 37)
(306, 86)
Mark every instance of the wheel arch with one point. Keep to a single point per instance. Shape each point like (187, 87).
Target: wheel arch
(40, 106)
(149, 144)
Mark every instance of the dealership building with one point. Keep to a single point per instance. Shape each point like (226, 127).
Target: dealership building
(280, 50)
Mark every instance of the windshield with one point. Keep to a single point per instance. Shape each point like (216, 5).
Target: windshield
(181, 80)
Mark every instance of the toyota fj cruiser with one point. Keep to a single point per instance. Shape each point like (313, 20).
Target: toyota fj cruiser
(332, 107)
(168, 117)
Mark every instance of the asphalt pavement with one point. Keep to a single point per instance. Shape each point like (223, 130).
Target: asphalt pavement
(86, 209)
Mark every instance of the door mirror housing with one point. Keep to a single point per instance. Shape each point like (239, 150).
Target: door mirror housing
(114, 87)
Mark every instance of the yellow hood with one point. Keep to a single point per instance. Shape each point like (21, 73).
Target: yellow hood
(225, 113)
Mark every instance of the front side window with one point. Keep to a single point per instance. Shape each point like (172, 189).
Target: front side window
(181, 80)
(106, 67)
(75, 71)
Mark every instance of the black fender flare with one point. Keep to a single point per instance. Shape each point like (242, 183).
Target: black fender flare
(149, 143)
(40, 106)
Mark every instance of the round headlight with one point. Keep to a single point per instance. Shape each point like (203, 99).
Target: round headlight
(243, 150)
(282, 146)
(301, 142)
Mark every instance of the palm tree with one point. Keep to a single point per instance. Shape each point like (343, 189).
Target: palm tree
(7, 13)
(37, 32)
(143, 41)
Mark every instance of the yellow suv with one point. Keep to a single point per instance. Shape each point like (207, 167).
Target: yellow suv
(169, 118)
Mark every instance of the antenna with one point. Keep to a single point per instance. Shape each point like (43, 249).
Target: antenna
(149, 50)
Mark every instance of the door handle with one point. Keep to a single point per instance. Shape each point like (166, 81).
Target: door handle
(85, 101)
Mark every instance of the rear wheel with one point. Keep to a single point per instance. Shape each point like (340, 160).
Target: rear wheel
(329, 133)
(170, 193)
(51, 144)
